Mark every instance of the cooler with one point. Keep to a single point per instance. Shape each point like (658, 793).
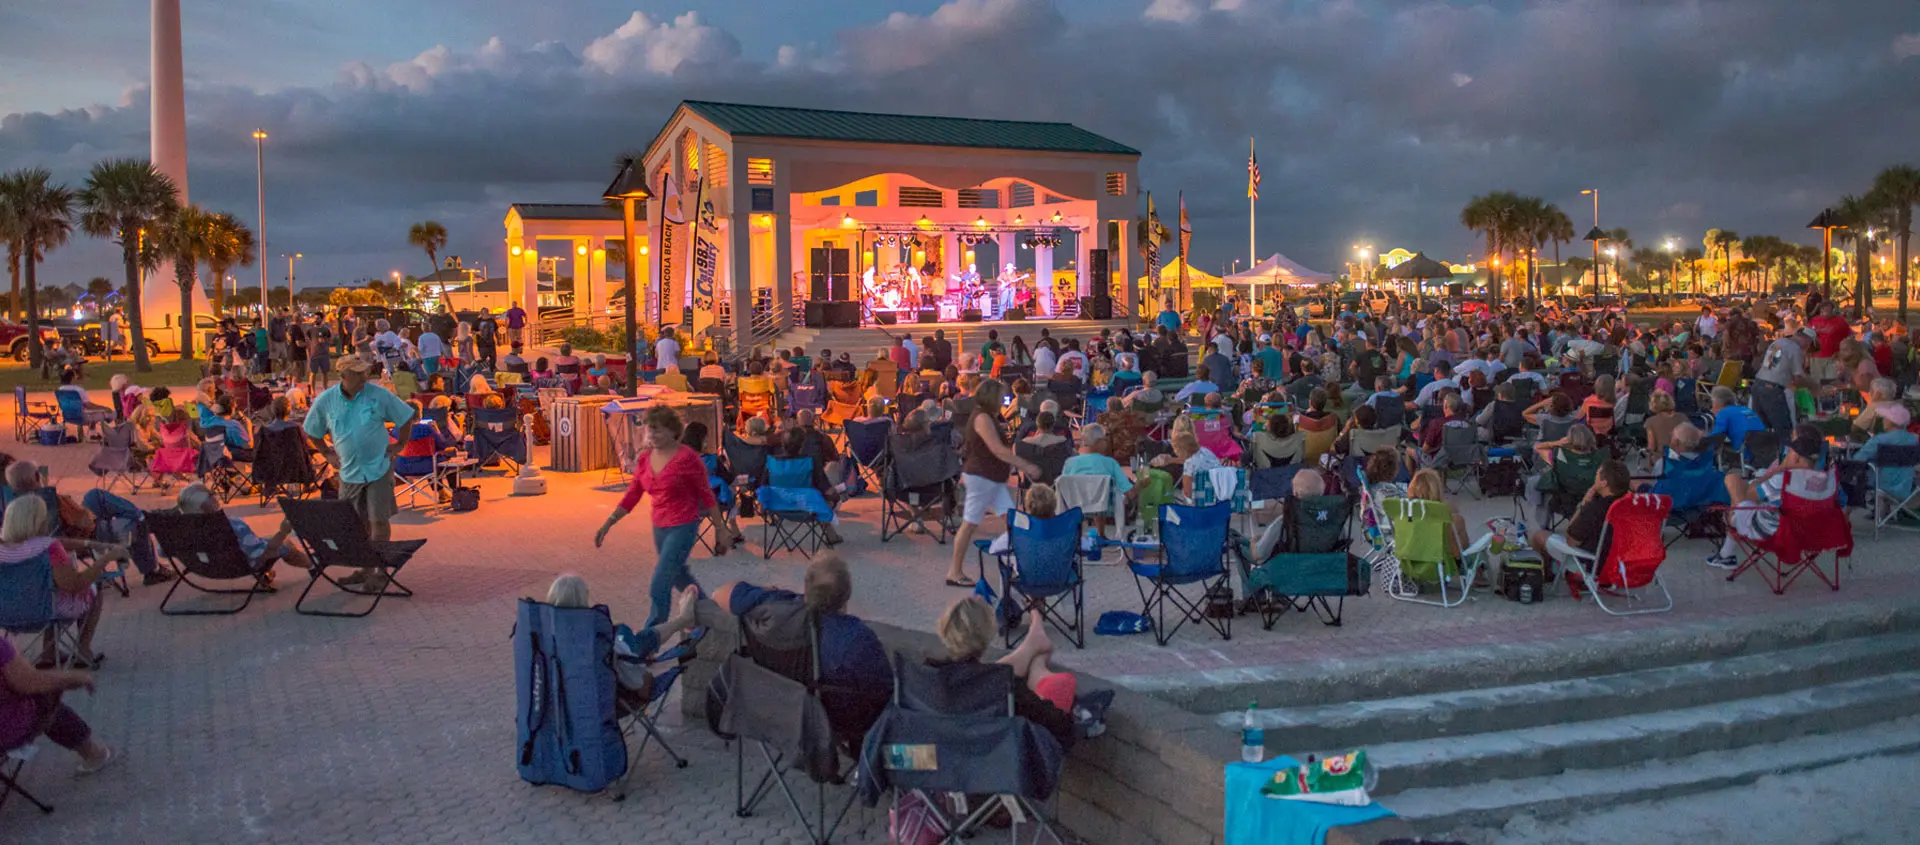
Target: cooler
(580, 441)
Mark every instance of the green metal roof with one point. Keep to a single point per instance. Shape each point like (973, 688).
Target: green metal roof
(861, 127)
(568, 211)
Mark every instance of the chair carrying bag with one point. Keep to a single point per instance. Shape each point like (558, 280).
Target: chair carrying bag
(564, 703)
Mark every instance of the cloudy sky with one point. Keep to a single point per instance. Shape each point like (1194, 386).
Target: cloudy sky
(1376, 119)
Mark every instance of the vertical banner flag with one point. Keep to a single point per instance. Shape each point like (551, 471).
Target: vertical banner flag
(1152, 249)
(706, 258)
(1186, 243)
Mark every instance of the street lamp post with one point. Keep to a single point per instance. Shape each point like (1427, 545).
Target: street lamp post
(263, 289)
(1672, 246)
(629, 185)
(260, 196)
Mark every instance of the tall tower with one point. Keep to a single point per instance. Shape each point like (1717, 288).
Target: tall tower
(160, 297)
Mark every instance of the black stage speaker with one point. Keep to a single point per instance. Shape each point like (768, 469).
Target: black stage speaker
(841, 315)
(929, 315)
(1096, 307)
(816, 313)
(971, 315)
(886, 318)
(1014, 314)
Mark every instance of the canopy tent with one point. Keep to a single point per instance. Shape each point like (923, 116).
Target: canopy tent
(1278, 270)
(1170, 277)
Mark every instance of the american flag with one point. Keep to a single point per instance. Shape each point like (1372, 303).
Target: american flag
(1253, 174)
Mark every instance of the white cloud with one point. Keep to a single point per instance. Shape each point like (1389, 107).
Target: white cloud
(642, 46)
(1906, 46)
(1461, 80)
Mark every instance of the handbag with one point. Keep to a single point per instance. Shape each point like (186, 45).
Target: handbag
(465, 499)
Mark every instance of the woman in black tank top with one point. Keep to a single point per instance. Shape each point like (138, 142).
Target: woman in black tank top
(986, 456)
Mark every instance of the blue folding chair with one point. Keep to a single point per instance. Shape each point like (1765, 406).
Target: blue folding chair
(1042, 567)
(806, 397)
(73, 412)
(497, 436)
(792, 511)
(27, 610)
(867, 445)
(1193, 553)
(28, 416)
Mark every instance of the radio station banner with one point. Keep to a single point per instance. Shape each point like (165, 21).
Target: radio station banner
(706, 259)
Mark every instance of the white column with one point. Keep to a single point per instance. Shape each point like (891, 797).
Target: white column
(518, 288)
(596, 277)
(528, 281)
(736, 275)
(160, 297)
(1083, 275)
(1043, 280)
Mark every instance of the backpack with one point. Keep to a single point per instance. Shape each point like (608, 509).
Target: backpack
(568, 733)
(1500, 478)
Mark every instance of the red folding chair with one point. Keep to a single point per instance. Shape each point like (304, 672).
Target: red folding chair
(1626, 567)
(1215, 433)
(1811, 524)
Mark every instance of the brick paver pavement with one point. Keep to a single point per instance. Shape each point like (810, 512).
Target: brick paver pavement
(269, 726)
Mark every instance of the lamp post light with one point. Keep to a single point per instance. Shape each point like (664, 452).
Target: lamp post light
(260, 198)
(263, 291)
(1826, 222)
(1672, 246)
(628, 186)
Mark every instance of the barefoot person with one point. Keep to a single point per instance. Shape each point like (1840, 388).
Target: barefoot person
(986, 462)
(677, 479)
(1044, 696)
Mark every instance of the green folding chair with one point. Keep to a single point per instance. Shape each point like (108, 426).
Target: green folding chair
(1420, 532)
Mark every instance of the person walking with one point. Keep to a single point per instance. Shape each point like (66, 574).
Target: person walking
(486, 338)
(987, 461)
(348, 424)
(677, 480)
(516, 324)
(463, 343)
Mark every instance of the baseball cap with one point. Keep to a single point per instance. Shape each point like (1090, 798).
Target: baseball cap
(354, 363)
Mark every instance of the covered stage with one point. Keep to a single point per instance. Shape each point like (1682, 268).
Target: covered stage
(763, 218)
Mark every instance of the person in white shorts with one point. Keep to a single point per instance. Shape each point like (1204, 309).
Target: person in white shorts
(987, 462)
(1756, 513)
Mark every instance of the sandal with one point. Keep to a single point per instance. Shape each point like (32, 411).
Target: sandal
(966, 583)
(83, 769)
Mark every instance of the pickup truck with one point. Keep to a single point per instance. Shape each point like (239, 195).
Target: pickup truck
(14, 336)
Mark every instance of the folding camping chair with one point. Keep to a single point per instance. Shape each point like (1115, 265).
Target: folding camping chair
(790, 508)
(114, 462)
(1215, 433)
(336, 538)
(1567, 478)
(1461, 457)
(774, 695)
(1049, 459)
(75, 413)
(27, 611)
(1042, 567)
(642, 716)
(867, 446)
(1693, 487)
(757, 399)
(1889, 504)
(1420, 532)
(283, 464)
(1093, 496)
(805, 396)
(747, 462)
(723, 494)
(1314, 564)
(217, 471)
(566, 726)
(1811, 525)
(843, 403)
(1626, 559)
(29, 416)
(497, 436)
(1193, 551)
(203, 546)
(918, 485)
(952, 729)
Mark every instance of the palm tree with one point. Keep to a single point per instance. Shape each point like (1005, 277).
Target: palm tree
(1493, 215)
(1723, 241)
(186, 237)
(1862, 218)
(1760, 249)
(1896, 191)
(42, 212)
(429, 235)
(1693, 256)
(230, 242)
(124, 199)
(13, 234)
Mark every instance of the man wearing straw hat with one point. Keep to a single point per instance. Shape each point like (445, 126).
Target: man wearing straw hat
(354, 415)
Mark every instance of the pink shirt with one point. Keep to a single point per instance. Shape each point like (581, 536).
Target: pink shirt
(680, 489)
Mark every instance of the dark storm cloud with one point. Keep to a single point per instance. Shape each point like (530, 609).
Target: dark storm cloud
(1375, 119)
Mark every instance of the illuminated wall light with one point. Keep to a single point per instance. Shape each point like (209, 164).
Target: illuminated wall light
(515, 249)
(599, 253)
(846, 222)
(580, 250)
(643, 250)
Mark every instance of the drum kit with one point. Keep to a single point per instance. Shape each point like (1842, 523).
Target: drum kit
(910, 289)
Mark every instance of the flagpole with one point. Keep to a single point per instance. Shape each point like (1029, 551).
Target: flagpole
(1253, 252)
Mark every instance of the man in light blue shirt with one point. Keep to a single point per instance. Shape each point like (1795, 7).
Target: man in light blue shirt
(354, 414)
(432, 348)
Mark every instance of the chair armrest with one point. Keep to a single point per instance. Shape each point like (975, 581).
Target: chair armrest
(1558, 547)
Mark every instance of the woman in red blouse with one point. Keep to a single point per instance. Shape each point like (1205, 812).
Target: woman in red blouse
(677, 480)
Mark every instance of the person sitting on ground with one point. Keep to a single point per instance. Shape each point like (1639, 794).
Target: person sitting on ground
(851, 655)
(26, 536)
(263, 554)
(1756, 503)
(1043, 696)
(634, 681)
(1611, 483)
(30, 705)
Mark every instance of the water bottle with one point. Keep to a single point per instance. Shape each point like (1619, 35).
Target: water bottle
(1090, 544)
(1253, 740)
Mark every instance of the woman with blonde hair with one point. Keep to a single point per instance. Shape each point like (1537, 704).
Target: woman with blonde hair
(1428, 486)
(26, 540)
(1194, 459)
(1044, 696)
(1884, 411)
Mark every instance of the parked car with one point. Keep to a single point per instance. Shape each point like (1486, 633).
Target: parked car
(400, 319)
(14, 336)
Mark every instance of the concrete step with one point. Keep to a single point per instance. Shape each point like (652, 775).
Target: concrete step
(1641, 737)
(1465, 712)
(1443, 811)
